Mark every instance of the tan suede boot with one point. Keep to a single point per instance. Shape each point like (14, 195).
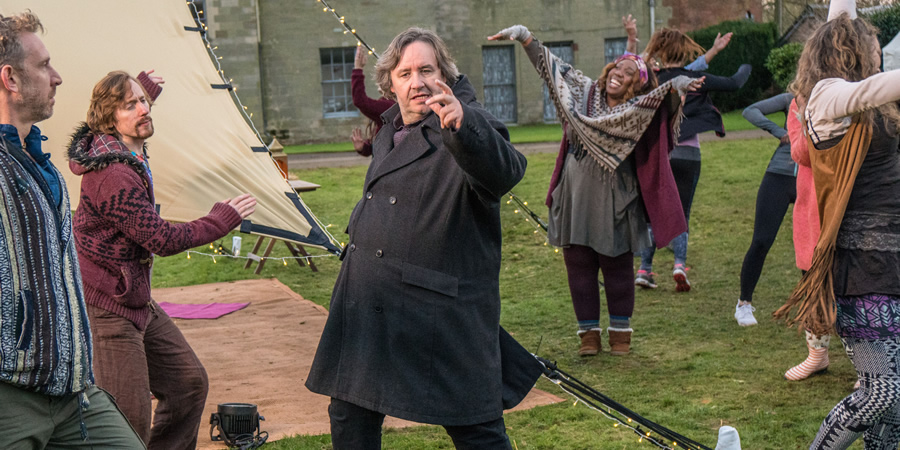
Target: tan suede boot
(590, 341)
(619, 341)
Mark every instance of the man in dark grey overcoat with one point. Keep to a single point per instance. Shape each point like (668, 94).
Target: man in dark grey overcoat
(413, 329)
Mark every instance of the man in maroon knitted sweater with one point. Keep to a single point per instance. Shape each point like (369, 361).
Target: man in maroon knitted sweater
(138, 350)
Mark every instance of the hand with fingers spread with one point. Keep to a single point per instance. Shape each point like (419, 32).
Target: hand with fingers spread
(358, 140)
(447, 107)
(630, 25)
(696, 84)
(516, 32)
(155, 78)
(362, 57)
(722, 41)
(244, 204)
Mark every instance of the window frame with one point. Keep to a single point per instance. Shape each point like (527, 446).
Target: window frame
(347, 55)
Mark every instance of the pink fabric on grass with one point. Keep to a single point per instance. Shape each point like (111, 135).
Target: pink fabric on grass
(201, 310)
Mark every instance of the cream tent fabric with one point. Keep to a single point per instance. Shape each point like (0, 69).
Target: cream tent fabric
(203, 150)
(891, 54)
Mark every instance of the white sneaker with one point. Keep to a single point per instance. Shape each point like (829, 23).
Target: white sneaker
(744, 314)
(728, 439)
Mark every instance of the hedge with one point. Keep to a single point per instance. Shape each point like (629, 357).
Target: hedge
(750, 44)
(782, 62)
(888, 23)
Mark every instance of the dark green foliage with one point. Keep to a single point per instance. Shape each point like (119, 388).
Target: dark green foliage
(750, 45)
(782, 62)
(888, 23)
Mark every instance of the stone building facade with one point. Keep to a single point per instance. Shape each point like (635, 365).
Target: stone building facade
(291, 61)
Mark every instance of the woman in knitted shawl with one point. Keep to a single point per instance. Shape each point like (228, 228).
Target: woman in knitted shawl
(611, 176)
(853, 284)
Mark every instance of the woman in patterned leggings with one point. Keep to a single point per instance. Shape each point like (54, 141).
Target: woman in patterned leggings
(853, 284)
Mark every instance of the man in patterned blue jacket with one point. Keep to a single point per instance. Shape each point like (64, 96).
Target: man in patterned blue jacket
(45, 341)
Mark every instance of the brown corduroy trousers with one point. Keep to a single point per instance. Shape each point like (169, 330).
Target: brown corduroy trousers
(131, 364)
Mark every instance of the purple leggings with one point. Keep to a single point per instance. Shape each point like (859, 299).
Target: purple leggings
(583, 266)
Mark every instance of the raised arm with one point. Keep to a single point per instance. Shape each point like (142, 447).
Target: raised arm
(152, 84)
(720, 43)
(370, 107)
(630, 25)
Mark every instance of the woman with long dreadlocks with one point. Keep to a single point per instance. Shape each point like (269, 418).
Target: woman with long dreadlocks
(853, 283)
(673, 49)
(618, 130)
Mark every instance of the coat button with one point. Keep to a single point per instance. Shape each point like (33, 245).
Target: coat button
(368, 196)
(378, 253)
(379, 309)
(352, 247)
(393, 200)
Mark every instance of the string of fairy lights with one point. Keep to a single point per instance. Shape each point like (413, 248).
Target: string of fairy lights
(247, 118)
(540, 227)
(643, 428)
(618, 421)
(347, 28)
(219, 251)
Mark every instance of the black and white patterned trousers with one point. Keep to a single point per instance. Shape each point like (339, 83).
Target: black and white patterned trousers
(873, 410)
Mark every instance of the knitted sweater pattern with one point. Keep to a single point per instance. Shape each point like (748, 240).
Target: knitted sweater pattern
(117, 227)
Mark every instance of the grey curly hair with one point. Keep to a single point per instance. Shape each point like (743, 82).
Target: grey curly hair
(389, 60)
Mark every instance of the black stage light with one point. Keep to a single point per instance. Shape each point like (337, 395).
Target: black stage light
(238, 425)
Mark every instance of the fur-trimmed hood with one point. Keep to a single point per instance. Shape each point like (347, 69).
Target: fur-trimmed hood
(89, 151)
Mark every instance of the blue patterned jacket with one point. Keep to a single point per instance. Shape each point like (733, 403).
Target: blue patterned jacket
(45, 339)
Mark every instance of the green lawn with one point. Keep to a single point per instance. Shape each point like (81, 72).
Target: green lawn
(734, 121)
(526, 134)
(691, 369)
(518, 135)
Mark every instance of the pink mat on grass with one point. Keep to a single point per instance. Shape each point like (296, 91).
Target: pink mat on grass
(200, 310)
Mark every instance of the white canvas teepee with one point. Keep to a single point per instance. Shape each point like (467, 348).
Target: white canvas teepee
(891, 54)
(203, 150)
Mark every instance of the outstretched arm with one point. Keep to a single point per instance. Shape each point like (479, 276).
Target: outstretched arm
(835, 98)
(122, 199)
(732, 83)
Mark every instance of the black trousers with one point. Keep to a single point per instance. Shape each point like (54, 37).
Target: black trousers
(776, 193)
(356, 428)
